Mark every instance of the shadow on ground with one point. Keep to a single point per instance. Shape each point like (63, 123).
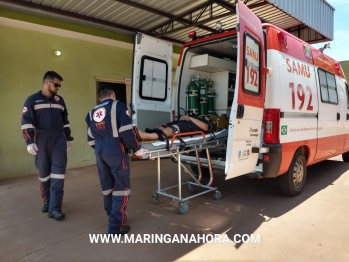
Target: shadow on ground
(246, 205)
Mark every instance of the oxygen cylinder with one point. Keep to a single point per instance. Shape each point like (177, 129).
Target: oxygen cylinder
(202, 97)
(192, 96)
(211, 94)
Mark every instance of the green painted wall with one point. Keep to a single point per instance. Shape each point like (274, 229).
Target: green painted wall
(345, 67)
(128, 38)
(24, 57)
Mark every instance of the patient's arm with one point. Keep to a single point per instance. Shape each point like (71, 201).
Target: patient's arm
(199, 123)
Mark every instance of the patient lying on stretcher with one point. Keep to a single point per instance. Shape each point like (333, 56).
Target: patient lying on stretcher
(185, 124)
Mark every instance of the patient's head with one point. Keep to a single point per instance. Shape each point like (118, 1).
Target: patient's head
(105, 92)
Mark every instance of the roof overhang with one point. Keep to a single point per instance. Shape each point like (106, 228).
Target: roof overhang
(172, 20)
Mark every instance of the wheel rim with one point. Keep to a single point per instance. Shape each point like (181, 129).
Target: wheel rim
(298, 173)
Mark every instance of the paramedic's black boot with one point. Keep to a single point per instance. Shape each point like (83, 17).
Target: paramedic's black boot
(125, 229)
(56, 214)
(44, 209)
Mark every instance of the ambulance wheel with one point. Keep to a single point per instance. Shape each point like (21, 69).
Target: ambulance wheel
(292, 182)
(183, 208)
(345, 157)
(156, 198)
(205, 171)
(218, 195)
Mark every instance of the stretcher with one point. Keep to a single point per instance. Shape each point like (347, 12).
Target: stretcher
(184, 143)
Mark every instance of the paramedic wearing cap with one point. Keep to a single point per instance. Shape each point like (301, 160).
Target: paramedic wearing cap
(110, 133)
(46, 129)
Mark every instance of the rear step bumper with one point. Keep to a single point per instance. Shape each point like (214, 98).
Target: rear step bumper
(268, 167)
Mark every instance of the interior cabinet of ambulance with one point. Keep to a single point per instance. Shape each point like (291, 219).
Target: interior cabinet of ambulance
(223, 76)
(224, 85)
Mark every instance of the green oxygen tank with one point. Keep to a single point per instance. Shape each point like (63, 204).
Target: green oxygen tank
(192, 96)
(211, 94)
(202, 97)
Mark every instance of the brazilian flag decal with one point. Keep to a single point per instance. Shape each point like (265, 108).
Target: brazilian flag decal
(283, 130)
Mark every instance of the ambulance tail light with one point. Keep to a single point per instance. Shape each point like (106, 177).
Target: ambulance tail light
(282, 39)
(272, 126)
(337, 67)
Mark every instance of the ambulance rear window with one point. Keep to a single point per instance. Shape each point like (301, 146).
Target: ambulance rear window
(252, 65)
(153, 80)
(328, 87)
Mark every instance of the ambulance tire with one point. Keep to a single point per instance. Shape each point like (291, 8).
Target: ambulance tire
(345, 157)
(297, 171)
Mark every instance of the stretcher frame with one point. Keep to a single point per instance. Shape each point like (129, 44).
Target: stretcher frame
(176, 151)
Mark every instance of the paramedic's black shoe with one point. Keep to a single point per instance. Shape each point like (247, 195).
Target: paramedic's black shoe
(44, 209)
(56, 214)
(125, 230)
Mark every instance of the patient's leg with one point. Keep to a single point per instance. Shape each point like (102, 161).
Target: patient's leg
(154, 136)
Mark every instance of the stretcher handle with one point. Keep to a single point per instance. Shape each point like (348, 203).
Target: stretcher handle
(189, 134)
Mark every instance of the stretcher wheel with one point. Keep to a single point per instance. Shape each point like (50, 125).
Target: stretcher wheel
(183, 209)
(156, 198)
(218, 195)
(191, 188)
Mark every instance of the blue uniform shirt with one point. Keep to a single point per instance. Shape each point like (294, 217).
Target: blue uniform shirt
(44, 114)
(110, 119)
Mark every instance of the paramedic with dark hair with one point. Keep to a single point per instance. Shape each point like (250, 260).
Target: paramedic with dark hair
(46, 129)
(185, 124)
(110, 133)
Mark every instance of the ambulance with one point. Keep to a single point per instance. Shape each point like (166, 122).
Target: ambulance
(286, 101)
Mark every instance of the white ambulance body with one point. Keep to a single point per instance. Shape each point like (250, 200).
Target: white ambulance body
(287, 102)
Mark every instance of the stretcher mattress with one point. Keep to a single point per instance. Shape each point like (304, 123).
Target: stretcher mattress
(188, 140)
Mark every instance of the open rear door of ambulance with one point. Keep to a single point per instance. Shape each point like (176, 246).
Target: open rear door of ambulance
(246, 116)
(151, 82)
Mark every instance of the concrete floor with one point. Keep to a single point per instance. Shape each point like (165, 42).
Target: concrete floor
(310, 227)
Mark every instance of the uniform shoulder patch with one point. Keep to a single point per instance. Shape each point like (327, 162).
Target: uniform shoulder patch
(56, 98)
(25, 109)
(99, 114)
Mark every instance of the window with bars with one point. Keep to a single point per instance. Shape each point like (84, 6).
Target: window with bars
(328, 87)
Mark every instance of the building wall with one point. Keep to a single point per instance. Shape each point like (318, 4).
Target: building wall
(345, 67)
(25, 55)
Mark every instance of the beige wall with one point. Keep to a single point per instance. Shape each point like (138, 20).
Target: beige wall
(25, 56)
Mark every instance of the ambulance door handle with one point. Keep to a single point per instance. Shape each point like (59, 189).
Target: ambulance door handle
(240, 111)
(338, 116)
(132, 109)
(347, 116)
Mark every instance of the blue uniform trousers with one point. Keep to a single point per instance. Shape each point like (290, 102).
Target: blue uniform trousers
(51, 162)
(114, 176)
